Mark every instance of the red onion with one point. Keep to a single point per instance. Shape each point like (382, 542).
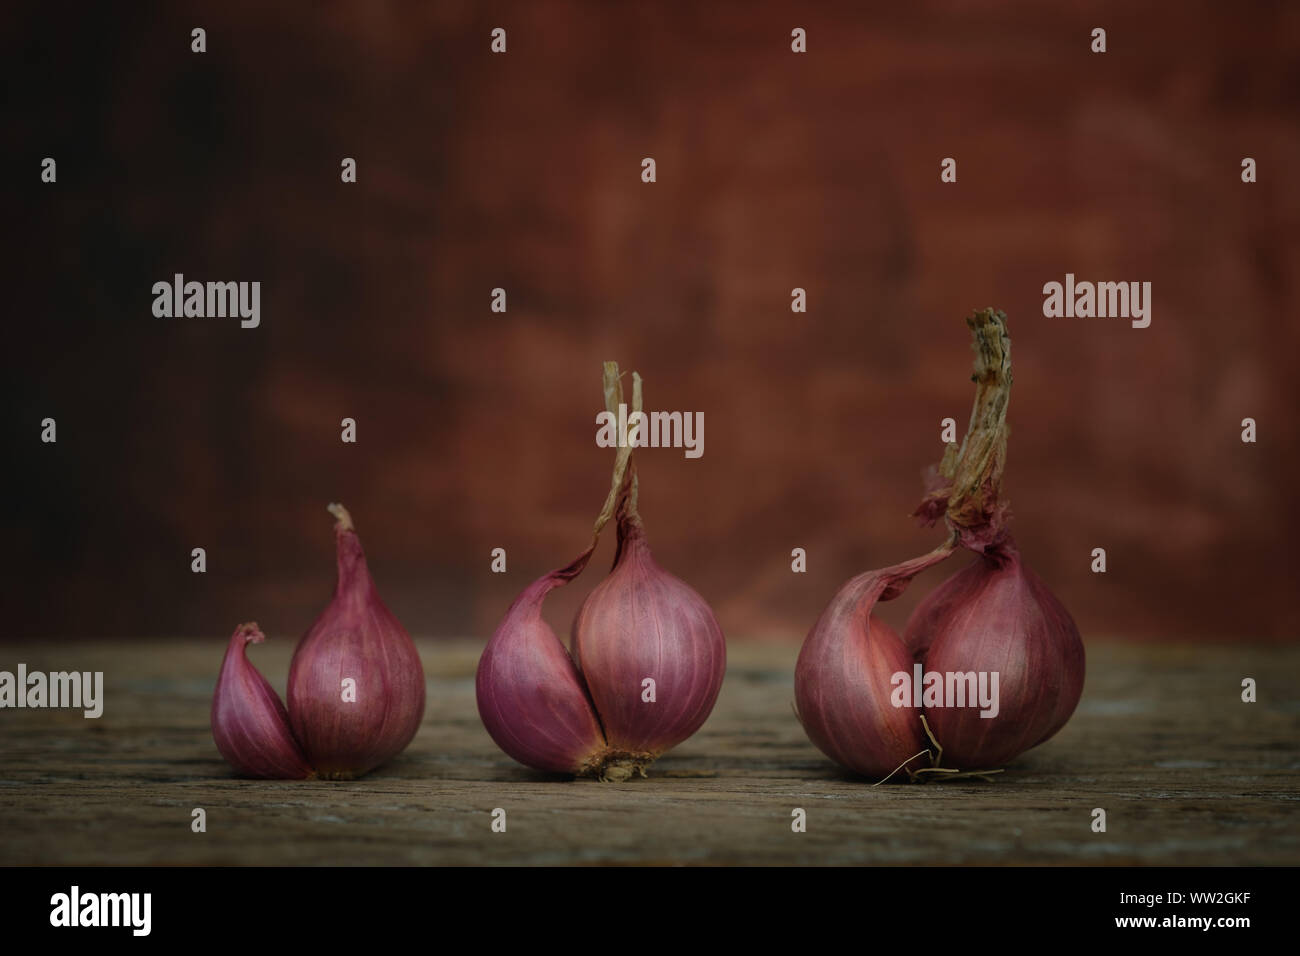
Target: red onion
(249, 723)
(650, 655)
(997, 615)
(642, 625)
(355, 638)
(843, 678)
(356, 687)
(993, 620)
(530, 696)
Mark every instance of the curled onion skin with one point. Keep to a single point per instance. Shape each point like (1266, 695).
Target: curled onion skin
(997, 615)
(249, 722)
(356, 637)
(530, 697)
(643, 623)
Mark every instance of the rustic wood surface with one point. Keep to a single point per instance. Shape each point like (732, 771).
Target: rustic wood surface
(1186, 772)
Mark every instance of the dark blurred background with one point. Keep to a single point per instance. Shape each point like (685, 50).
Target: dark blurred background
(775, 170)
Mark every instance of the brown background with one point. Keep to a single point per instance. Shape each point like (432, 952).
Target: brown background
(523, 171)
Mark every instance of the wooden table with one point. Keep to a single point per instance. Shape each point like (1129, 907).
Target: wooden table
(1187, 773)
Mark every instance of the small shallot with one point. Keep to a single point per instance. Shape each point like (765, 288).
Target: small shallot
(990, 663)
(356, 686)
(647, 663)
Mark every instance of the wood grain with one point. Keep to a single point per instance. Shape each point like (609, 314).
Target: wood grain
(1186, 772)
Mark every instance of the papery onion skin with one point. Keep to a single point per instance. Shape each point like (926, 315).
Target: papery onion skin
(530, 697)
(249, 722)
(642, 622)
(356, 637)
(997, 615)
